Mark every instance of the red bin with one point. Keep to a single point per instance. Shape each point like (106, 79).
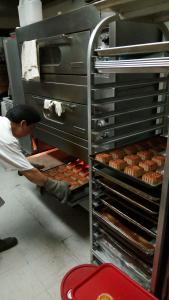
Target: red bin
(109, 280)
(74, 277)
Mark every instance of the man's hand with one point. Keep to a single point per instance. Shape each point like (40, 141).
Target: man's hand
(60, 189)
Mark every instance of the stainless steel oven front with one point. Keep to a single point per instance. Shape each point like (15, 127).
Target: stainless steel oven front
(62, 44)
(63, 53)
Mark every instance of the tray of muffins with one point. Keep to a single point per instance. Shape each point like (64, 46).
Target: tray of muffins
(143, 162)
(76, 173)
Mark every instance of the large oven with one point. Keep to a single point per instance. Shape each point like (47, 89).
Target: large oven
(62, 44)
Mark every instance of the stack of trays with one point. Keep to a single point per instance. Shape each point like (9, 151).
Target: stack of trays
(126, 65)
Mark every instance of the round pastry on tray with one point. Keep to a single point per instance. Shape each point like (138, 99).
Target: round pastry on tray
(130, 149)
(134, 171)
(159, 160)
(117, 153)
(83, 180)
(152, 178)
(84, 173)
(103, 157)
(148, 165)
(132, 159)
(74, 176)
(145, 154)
(77, 169)
(70, 165)
(118, 164)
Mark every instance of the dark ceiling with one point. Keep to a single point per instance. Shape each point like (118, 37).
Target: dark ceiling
(8, 8)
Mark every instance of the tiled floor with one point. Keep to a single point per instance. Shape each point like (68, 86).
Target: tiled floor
(52, 239)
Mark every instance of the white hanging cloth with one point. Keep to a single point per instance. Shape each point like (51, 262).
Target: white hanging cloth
(30, 69)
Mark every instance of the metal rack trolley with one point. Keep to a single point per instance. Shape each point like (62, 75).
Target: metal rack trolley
(155, 123)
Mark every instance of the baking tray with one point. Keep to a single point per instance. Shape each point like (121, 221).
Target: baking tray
(100, 226)
(78, 194)
(146, 268)
(131, 178)
(112, 176)
(47, 170)
(131, 262)
(130, 215)
(135, 201)
(122, 234)
(100, 257)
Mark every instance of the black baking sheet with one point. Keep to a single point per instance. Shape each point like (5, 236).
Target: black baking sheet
(130, 215)
(118, 192)
(129, 178)
(147, 194)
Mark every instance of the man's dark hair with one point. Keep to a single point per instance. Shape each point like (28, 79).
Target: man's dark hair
(23, 112)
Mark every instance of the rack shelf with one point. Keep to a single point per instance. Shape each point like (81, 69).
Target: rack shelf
(126, 111)
(150, 10)
(134, 49)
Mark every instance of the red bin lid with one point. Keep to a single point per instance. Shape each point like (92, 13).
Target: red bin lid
(74, 277)
(110, 280)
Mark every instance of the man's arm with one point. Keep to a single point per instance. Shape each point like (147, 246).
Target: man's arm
(35, 176)
(59, 189)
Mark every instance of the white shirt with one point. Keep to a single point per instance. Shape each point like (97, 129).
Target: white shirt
(10, 151)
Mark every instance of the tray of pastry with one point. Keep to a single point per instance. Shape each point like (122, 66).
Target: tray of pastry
(134, 236)
(127, 213)
(76, 173)
(142, 162)
(150, 195)
(122, 195)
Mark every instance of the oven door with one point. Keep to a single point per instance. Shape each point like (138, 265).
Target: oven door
(64, 53)
(72, 119)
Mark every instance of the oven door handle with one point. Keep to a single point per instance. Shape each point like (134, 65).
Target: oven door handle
(61, 39)
(47, 117)
(70, 107)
